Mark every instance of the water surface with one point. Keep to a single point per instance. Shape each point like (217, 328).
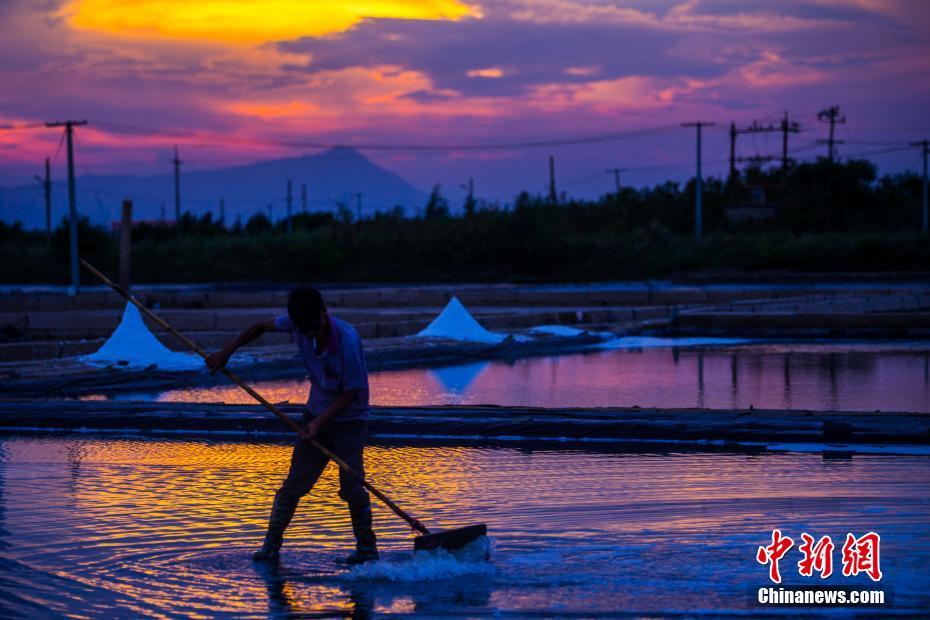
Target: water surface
(128, 527)
(812, 376)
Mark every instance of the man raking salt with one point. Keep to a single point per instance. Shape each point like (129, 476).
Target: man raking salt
(335, 422)
(336, 415)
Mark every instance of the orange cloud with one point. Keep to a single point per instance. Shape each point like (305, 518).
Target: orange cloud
(487, 72)
(270, 110)
(245, 21)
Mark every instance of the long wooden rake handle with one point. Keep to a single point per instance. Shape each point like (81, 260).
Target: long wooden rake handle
(413, 522)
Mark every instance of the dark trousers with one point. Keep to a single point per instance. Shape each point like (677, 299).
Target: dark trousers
(347, 441)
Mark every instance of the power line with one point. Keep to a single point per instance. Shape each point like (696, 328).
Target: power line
(87, 172)
(490, 146)
(9, 127)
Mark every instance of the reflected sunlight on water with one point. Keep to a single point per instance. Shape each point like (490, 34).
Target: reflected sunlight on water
(165, 527)
(800, 376)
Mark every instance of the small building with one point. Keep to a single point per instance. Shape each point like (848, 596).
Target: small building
(756, 209)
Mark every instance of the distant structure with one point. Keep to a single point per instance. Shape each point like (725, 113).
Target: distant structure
(177, 185)
(752, 201)
(72, 202)
(698, 180)
(832, 116)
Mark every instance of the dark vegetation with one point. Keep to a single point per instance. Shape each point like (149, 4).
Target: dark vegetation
(833, 217)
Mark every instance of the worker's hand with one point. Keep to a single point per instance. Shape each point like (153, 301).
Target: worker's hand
(216, 360)
(311, 430)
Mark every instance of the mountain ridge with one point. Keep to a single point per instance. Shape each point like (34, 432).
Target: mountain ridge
(332, 177)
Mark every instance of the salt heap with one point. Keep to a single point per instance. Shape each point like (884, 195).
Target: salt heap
(456, 323)
(132, 345)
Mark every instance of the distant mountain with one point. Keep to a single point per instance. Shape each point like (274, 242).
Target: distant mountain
(331, 178)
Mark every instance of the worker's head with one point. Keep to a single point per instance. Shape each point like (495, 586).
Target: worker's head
(306, 310)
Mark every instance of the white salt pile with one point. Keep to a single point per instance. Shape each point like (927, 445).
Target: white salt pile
(133, 346)
(456, 323)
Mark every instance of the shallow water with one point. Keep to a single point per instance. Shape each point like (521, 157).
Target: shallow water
(128, 527)
(813, 376)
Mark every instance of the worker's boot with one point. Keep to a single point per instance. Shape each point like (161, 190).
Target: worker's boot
(366, 548)
(281, 513)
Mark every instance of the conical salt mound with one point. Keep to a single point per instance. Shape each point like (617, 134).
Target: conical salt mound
(456, 323)
(132, 345)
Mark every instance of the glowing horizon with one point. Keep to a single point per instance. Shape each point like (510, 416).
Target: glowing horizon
(454, 72)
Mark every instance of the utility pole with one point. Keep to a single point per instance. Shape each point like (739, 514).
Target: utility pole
(924, 150)
(177, 186)
(831, 115)
(787, 127)
(469, 206)
(358, 206)
(698, 181)
(290, 200)
(616, 172)
(303, 197)
(553, 196)
(72, 206)
(125, 245)
(47, 188)
(733, 133)
(223, 212)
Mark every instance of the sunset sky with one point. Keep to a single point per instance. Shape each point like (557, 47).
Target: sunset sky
(258, 80)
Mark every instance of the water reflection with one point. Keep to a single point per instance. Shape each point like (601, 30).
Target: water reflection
(457, 379)
(825, 377)
(164, 528)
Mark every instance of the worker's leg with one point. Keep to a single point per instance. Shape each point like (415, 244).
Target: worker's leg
(348, 442)
(307, 464)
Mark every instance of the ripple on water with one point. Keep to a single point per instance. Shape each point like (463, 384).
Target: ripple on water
(166, 527)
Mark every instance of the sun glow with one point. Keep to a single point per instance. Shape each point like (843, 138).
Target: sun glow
(246, 21)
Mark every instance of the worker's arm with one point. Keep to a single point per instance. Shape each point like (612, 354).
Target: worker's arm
(341, 402)
(217, 360)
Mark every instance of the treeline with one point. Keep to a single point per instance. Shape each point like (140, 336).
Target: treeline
(829, 217)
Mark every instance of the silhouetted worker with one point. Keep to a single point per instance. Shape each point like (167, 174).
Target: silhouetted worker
(336, 415)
